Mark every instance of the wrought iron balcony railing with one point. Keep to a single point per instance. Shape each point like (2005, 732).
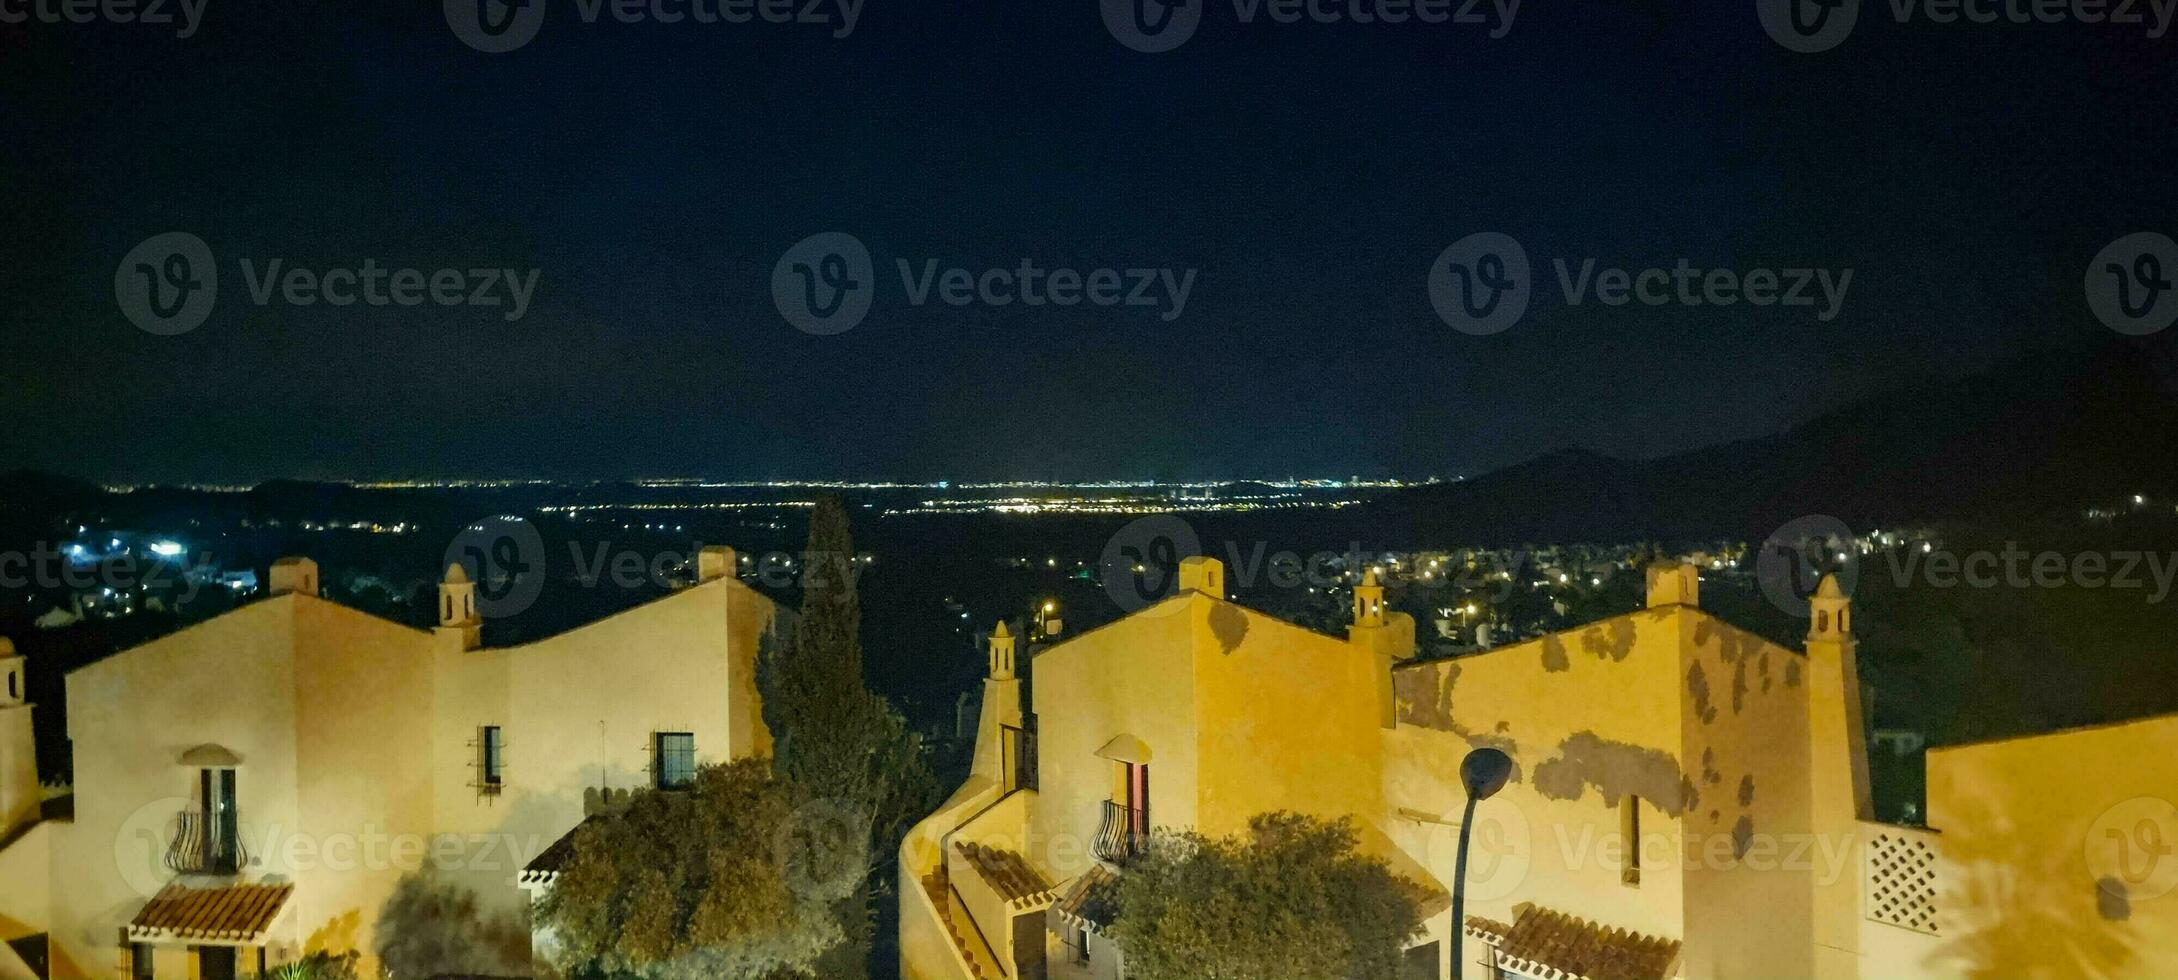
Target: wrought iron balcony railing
(1124, 832)
(206, 845)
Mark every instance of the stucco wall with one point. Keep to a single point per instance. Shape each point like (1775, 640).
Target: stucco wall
(1134, 677)
(1288, 720)
(2057, 853)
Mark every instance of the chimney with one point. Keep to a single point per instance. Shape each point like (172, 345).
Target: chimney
(295, 574)
(1201, 573)
(714, 562)
(457, 609)
(1674, 583)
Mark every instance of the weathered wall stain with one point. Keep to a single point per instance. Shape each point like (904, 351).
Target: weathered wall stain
(1609, 643)
(1615, 769)
(1762, 669)
(1739, 686)
(1792, 673)
(1423, 695)
(1229, 625)
(1423, 698)
(1554, 658)
(1747, 790)
(1743, 835)
(1689, 797)
(2112, 902)
(1710, 774)
(1697, 684)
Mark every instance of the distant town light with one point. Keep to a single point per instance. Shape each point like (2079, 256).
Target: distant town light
(166, 549)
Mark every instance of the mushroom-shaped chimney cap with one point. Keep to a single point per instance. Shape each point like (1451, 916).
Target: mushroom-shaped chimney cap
(1829, 588)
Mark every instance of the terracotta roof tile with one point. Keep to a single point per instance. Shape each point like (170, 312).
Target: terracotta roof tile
(1564, 947)
(1092, 899)
(1007, 872)
(232, 912)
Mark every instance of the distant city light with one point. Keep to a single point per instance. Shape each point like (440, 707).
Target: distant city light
(166, 549)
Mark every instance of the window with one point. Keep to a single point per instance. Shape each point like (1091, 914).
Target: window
(140, 967)
(1077, 945)
(491, 762)
(675, 765)
(216, 963)
(1629, 827)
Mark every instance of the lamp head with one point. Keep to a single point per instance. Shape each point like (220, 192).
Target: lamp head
(1484, 772)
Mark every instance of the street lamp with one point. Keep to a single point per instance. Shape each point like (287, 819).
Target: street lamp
(1482, 773)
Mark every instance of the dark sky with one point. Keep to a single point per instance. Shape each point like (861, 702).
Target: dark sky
(653, 174)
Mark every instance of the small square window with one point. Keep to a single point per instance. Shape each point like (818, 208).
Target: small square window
(675, 765)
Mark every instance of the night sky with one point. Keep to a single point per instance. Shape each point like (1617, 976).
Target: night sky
(654, 173)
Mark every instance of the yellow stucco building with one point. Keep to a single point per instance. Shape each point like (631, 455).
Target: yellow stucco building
(255, 787)
(1688, 800)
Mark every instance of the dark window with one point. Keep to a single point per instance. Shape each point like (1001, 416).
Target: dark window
(1419, 963)
(1630, 819)
(492, 764)
(221, 843)
(140, 961)
(215, 963)
(675, 767)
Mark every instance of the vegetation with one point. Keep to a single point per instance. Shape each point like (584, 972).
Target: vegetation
(1288, 900)
(764, 868)
(431, 928)
(693, 884)
(849, 759)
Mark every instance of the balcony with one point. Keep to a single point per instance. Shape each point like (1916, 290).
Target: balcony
(1124, 832)
(206, 845)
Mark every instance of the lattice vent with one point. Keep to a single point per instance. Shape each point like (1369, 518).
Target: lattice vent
(1902, 882)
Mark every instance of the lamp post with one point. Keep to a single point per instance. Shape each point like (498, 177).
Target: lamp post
(1482, 773)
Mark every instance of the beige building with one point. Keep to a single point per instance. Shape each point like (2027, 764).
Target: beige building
(255, 787)
(1688, 800)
